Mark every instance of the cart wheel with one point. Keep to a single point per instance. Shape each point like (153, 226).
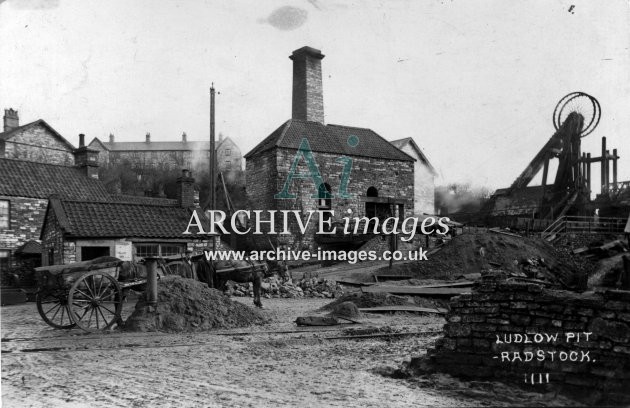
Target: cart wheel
(95, 301)
(53, 308)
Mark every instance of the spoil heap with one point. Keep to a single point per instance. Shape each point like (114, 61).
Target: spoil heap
(185, 305)
(473, 252)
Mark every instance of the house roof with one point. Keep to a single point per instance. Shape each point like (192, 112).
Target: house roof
(90, 219)
(40, 180)
(330, 139)
(158, 146)
(31, 247)
(400, 143)
(40, 122)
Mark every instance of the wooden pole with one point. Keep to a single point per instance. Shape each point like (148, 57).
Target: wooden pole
(588, 173)
(213, 162)
(213, 200)
(607, 170)
(603, 165)
(614, 159)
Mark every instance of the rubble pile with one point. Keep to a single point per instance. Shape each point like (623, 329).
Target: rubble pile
(275, 287)
(186, 305)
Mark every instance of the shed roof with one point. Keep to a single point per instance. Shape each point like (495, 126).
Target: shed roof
(89, 219)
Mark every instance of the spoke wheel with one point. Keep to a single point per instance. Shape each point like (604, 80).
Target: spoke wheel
(53, 308)
(95, 301)
(581, 103)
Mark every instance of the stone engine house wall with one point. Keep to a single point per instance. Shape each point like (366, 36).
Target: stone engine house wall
(497, 308)
(266, 174)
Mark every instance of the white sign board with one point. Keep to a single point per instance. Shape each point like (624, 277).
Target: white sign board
(124, 251)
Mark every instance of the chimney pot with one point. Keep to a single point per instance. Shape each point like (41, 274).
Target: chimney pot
(184, 137)
(148, 137)
(111, 138)
(81, 140)
(11, 119)
(308, 99)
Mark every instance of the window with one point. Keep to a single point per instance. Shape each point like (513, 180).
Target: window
(4, 259)
(146, 250)
(5, 212)
(228, 164)
(228, 152)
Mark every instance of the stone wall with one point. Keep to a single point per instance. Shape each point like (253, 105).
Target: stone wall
(38, 144)
(26, 219)
(267, 172)
(500, 331)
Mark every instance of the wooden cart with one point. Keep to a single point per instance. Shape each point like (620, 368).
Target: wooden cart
(86, 294)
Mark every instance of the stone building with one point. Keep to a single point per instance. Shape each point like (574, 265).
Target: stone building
(24, 190)
(79, 230)
(424, 177)
(36, 141)
(169, 155)
(360, 170)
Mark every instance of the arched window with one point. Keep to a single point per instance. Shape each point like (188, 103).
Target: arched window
(324, 197)
(372, 192)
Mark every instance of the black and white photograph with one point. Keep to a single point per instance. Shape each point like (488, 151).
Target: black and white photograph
(315, 203)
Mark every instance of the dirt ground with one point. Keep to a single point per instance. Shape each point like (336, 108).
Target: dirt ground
(276, 364)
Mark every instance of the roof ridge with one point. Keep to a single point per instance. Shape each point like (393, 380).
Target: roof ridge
(286, 125)
(353, 127)
(111, 201)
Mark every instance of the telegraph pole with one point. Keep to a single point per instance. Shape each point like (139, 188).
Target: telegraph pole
(213, 161)
(213, 158)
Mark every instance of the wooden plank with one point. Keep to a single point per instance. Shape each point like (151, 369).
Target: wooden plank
(415, 290)
(353, 283)
(402, 308)
(496, 231)
(380, 278)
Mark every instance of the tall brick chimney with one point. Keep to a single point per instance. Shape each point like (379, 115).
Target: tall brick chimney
(186, 190)
(184, 139)
(308, 98)
(148, 137)
(86, 159)
(11, 119)
(111, 138)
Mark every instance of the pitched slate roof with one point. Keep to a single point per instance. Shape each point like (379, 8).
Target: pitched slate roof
(89, 219)
(20, 178)
(330, 139)
(40, 122)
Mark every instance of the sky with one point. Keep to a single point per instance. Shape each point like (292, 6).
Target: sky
(473, 82)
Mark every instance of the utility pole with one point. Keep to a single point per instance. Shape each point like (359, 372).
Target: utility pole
(213, 161)
(213, 158)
